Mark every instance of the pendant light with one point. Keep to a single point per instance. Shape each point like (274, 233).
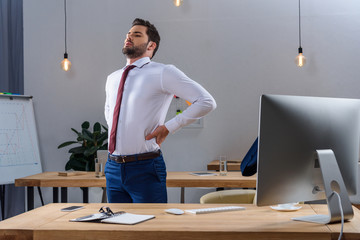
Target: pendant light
(65, 64)
(300, 59)
(178, 2)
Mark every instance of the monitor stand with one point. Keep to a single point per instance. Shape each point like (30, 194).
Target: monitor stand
(333, 181)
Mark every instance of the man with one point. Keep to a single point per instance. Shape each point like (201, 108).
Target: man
(137, 100)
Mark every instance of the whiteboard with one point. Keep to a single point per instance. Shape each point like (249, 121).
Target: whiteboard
(19, 146)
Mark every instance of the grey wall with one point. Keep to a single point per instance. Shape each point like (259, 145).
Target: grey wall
(236, 49)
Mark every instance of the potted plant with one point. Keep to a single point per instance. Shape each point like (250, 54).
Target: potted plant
(82, 157)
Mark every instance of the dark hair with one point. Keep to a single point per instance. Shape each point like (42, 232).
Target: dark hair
(151, 31)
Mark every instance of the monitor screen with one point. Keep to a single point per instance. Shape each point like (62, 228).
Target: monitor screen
(291, 130)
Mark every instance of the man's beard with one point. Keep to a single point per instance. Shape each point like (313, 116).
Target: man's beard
(134, 51)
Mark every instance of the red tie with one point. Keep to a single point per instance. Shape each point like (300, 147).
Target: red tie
(112, 143)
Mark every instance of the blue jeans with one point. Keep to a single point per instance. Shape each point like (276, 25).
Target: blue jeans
(136, 182)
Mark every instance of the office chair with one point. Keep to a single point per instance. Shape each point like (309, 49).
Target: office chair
(229, 196)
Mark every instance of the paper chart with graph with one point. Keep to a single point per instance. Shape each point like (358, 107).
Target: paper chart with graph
(19, 149)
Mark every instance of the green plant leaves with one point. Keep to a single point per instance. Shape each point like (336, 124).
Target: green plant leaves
(82, 157)
(85, 125)
(66, 144)
(76, 163)
(102, 137)
(75, 131)
(77, 150)
(87, 135)
(90, 151)
(97, 127)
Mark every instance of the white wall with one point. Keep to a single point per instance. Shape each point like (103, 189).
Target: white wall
(237, 50)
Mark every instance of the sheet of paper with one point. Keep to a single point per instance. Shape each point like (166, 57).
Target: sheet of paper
(128, 218)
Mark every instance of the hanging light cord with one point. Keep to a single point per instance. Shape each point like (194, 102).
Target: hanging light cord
(65, 25)
(299, 26)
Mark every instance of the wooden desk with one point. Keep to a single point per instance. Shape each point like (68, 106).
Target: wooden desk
(88, 179)
(185, 179)
(232, 180)
(232, 165)
(52, 179)
(256, 223)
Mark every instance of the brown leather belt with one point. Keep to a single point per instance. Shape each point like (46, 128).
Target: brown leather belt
(135, 157)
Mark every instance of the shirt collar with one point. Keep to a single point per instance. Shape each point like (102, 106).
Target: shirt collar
(141, 62)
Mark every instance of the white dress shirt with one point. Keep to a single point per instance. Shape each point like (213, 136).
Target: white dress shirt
(148, 91)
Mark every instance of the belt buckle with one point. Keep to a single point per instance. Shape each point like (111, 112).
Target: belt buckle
(123, 159)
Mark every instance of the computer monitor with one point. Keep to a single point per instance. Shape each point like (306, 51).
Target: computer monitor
(299, 140)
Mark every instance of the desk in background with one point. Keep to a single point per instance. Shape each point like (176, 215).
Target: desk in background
(52, 179)
(232, 165)
(256, 223)
(88, 179)
(231, 180)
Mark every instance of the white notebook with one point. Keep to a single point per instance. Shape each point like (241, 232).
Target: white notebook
(128, 218)
(118, 217)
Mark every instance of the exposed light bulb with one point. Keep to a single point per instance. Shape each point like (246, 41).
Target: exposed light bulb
(300, 59)
(65, 64)
(178, 2)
